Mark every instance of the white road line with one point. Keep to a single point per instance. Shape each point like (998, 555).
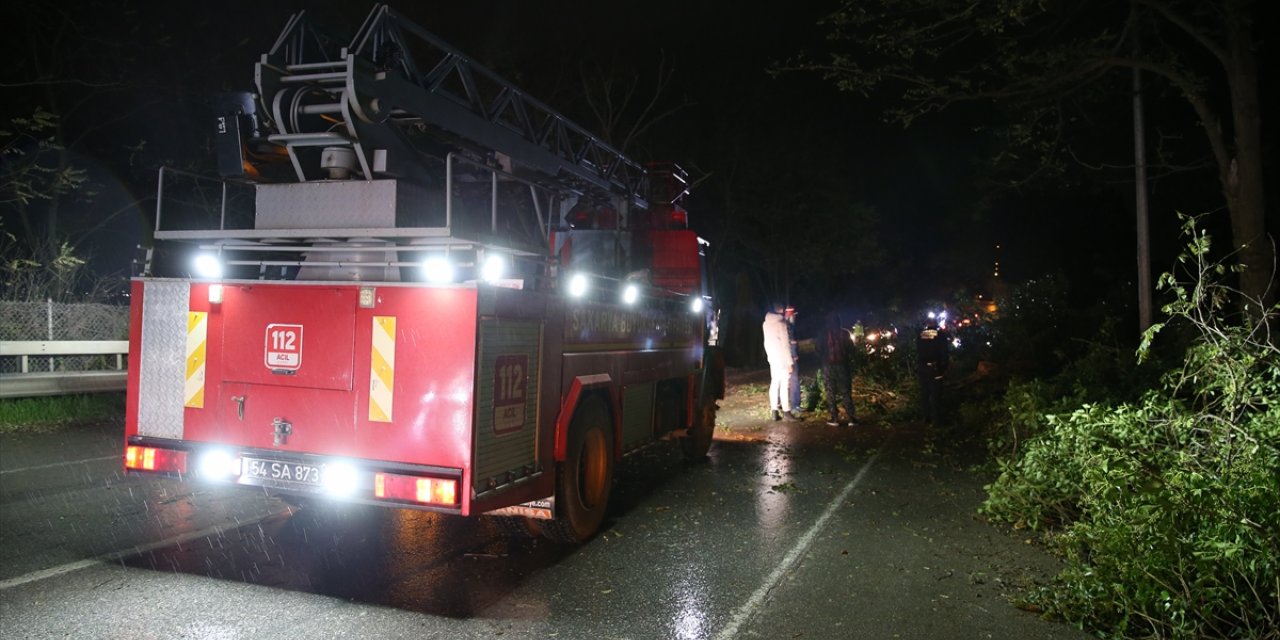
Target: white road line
(48, 573)
(124, 553)
(744, 612)
(60, 464)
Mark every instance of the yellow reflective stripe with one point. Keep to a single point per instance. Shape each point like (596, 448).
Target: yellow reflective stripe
(197, 339)
(382, 368)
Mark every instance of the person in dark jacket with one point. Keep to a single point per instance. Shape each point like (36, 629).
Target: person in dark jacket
(931, 364)
(790, 314)
(833, 346)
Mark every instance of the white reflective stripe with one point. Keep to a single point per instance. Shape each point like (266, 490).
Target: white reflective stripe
(59, 464)
(382, 368)
(744, 611)
(197, 331)
(216, 531)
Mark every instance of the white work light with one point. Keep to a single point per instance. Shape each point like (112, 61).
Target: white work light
(207, 265)
(339, 478)
(578, 285)
(438, 270)
(218, 465)
(630, 294)
(495, 266)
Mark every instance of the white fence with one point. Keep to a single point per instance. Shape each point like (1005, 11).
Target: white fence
(54, 348)
(28, 383)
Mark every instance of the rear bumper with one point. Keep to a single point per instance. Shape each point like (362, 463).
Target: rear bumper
(299, 474)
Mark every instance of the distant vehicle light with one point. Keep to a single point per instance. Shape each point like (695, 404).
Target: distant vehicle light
(630, 294)
(339, 479)
(207, 265)
(495, 266)
(438, 270)
(697, 305)
(578, 285)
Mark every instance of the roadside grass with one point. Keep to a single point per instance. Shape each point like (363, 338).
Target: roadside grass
(25, 415)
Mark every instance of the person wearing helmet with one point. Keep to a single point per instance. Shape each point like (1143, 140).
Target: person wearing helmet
(931, 364)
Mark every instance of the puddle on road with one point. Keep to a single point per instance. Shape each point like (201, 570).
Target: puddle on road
(773, 503)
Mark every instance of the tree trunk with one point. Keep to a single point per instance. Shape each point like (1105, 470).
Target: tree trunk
(1243, 183)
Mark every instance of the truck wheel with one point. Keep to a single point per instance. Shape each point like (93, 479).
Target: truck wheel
(669, 411)
(584, 478)
(696, 445)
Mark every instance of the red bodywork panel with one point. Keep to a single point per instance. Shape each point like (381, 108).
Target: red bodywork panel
(303, 354)
(135, 352)
(434, 373)
(673, 258)
(290, 338)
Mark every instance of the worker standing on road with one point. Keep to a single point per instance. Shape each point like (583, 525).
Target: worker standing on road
(777, 347)
(931, 365)
(833, 347)
(790, 314)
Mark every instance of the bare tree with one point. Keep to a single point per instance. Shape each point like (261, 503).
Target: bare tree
(1038, 56)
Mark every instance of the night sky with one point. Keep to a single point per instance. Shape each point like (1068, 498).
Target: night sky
(133, 82)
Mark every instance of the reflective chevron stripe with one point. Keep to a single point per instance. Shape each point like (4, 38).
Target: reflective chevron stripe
(197, 331)
(382, 368)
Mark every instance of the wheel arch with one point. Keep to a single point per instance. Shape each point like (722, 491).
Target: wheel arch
(580, 390)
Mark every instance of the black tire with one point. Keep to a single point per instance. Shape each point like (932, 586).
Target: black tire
(584, 479)
(669, 410)
(696, 445)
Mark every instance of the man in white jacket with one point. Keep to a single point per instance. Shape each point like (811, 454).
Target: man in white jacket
(777, 347)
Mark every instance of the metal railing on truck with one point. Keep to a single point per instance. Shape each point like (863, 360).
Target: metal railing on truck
(222, 216)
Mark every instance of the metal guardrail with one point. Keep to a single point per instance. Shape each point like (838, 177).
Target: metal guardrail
(51, 383)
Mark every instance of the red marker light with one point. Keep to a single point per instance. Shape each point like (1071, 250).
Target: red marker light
(419, 489)
(155, 459)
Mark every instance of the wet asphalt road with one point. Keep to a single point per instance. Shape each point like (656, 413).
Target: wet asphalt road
(789, 531)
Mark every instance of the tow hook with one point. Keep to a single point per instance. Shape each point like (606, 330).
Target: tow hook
(282, 430)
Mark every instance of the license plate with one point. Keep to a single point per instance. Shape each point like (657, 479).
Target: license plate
(294, 472)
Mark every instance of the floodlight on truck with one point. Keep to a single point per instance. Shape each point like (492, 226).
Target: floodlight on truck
(207, 265)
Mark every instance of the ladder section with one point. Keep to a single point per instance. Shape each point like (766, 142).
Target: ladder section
(394, 78)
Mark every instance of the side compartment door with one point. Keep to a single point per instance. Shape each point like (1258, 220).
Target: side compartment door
(288, 353)
(508, 377)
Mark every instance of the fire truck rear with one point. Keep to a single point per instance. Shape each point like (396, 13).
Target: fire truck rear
(413, 285)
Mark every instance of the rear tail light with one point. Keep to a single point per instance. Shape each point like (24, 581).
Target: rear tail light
(154, 459)
(419, 489)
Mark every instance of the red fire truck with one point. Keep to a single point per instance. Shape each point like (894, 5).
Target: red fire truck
(414, 285)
